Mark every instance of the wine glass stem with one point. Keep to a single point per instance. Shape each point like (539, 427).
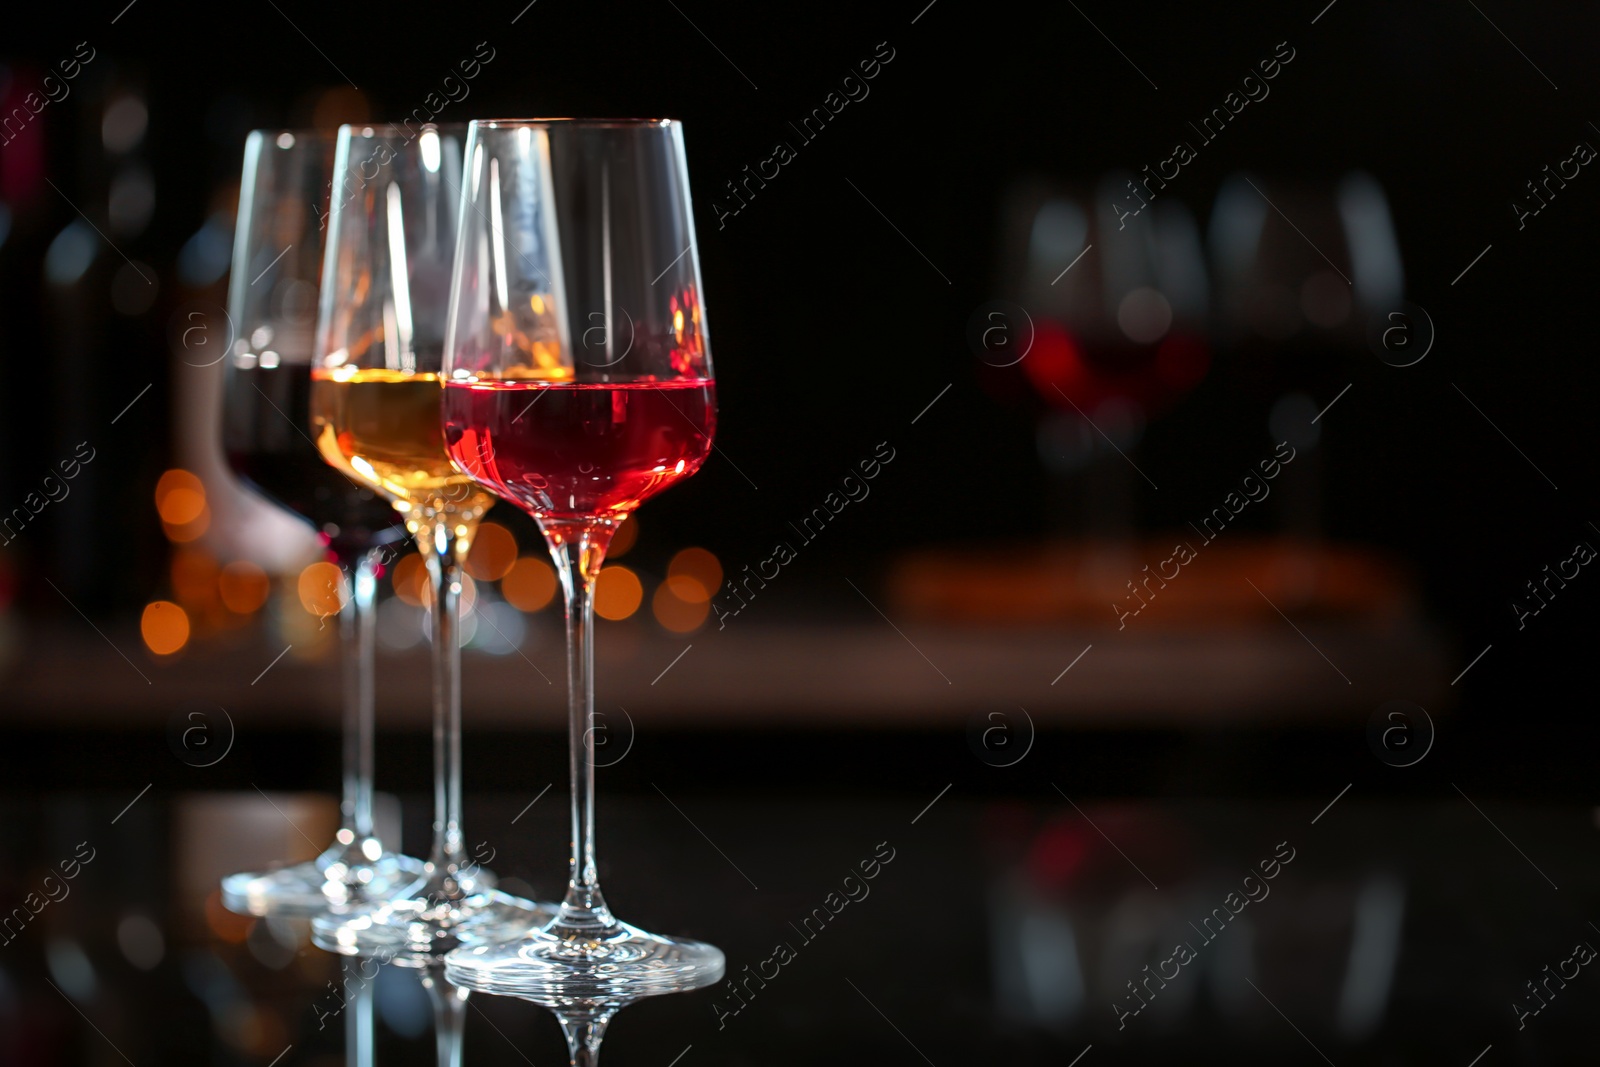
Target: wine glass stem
(449, 1015)
(358, 1031)
(579, 550)
(356, 632)
(583, 1038)
(444, 572)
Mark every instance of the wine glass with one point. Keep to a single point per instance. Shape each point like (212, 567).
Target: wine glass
(375, 416)
(266, 434)
(1303, 267)
(577, 384)
(1119, 303)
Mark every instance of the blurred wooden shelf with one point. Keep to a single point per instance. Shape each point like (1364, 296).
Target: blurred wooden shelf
(862, 674)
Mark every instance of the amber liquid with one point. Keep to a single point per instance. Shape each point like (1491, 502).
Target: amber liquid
(381, 427)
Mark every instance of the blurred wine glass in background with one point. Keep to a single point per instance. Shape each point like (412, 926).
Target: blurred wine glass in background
(1300, 268)
(1118, 296)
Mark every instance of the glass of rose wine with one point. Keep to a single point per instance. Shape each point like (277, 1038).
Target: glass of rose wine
(577, 385)
(266, 435)
(374, 415)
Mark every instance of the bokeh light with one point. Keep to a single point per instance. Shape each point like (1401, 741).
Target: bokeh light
(502, 631)
(243, 587)
(400, 625)
(409, 578)
(181, 503)
(164, 627)
(321, 589)
(530, 585)
(189, 531)
(141, 941)
(617, 593)
(194, 577)
(469, 596)
(699, 566)
(680, 604)
(339, 105)
(494, 551)
(226, 925)
(180, 498)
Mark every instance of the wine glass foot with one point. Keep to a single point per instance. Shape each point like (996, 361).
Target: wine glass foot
(332, 880)
(557, 966)
(418, 931)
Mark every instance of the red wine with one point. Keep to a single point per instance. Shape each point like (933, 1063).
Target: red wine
(266, 433)
(569, 450)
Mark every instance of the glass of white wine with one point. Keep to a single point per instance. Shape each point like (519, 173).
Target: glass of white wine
(375, 416)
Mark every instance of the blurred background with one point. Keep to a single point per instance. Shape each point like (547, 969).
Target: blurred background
(1303, 290)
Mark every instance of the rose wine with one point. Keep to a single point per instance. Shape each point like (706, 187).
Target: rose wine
(382, 428)
(567, 450)
(266, 434)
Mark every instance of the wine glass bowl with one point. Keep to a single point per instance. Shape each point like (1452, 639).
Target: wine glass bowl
(375, 385)
(578, 384)
(381, 426)
(558, 314)
(594, 451)
(1121, 302)
(272, 304)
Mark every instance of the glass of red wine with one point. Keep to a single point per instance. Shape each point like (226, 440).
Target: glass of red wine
(266, 435)
(578, 384)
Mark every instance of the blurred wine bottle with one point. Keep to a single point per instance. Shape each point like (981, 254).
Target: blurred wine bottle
(25, 214)
(102, 394)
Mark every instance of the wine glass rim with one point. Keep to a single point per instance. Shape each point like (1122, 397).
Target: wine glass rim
(272, 133)
(625, 123)
(401, 129)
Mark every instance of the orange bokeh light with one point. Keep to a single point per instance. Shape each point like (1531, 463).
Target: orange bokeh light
(680, 604)
(164, 627)
(494, 551)
(409, 579)
(530, 584)
(617, 593)
(188, 531)
(194, 577)
(321, 589)
(243, 587)
(699, 565)
(180, 497)
(224, 924)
